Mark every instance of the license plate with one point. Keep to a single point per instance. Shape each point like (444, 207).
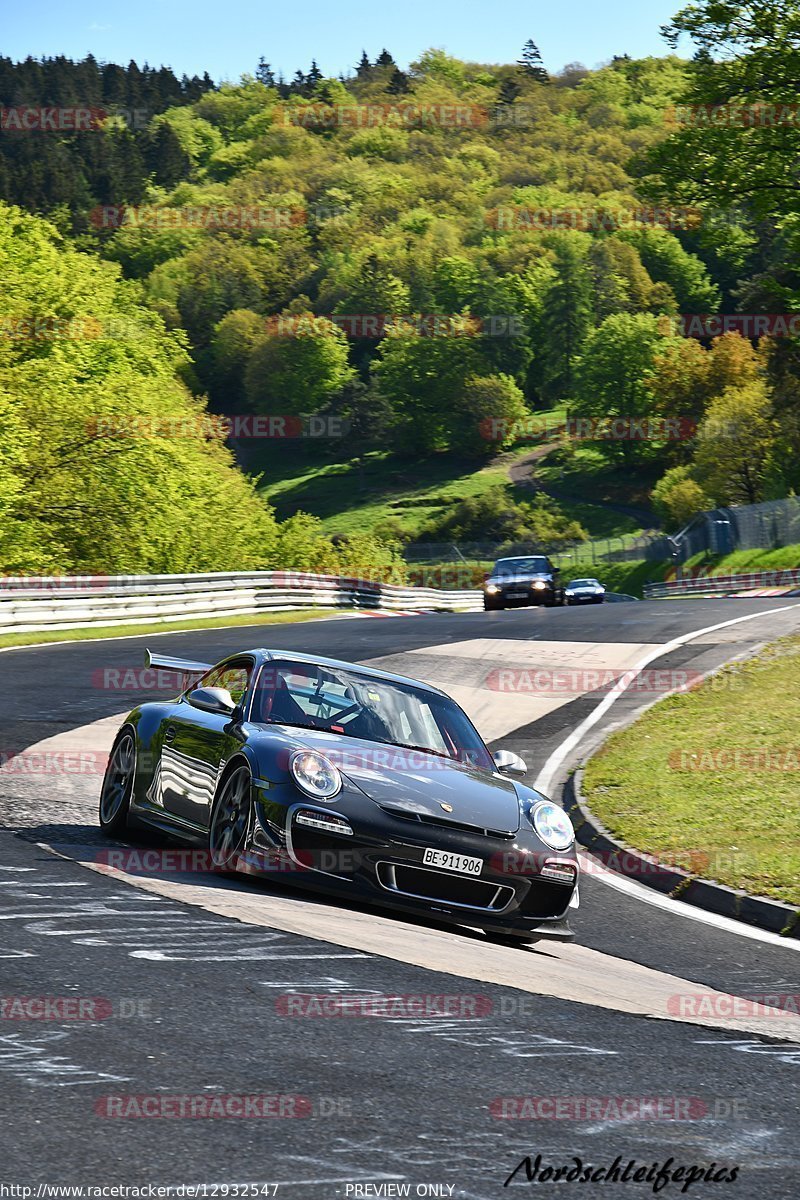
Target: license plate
(453, 862)
(517, 595)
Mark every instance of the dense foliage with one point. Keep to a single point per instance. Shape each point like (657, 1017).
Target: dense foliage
(107, 462)
(430, 255)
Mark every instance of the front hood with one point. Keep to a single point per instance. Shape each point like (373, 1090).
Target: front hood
(410, 782)
(505, 580)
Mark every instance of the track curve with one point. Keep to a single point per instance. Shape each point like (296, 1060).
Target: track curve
(629, 955)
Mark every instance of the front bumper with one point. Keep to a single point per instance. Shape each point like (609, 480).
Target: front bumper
(520, 595)
(381, 861)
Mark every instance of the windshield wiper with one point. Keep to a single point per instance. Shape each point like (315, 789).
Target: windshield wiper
(419, 749)
(295, 725)
(380, 741)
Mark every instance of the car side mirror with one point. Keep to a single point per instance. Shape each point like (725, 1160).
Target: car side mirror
(509, 763)
(213, 700)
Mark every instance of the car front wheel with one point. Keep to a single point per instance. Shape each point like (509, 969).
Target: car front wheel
(231, 818)
(117, 789)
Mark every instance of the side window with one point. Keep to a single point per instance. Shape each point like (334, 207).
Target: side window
(235, 676)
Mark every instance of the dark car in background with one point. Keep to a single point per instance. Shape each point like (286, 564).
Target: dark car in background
(527, 579)
(585, 591)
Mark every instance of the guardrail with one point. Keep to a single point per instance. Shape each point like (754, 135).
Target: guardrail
(715, 585)
(34, 605)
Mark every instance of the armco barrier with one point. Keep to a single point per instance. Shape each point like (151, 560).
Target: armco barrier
(716, 585)
(33, 605)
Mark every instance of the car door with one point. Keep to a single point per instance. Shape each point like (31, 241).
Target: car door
(196, 744)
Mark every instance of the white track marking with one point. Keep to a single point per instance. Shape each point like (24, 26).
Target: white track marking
(544, 779)
(649, 896)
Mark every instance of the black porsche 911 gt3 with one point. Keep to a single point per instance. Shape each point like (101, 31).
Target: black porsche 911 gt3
(348, 780)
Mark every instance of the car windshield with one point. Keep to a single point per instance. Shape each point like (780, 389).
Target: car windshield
(344, 701)
(576, 583)
(521, 566)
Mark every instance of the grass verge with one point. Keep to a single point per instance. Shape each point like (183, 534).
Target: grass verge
(785, 558)
(140, 630)
(630, 577)
(709, 778)
(361, 493)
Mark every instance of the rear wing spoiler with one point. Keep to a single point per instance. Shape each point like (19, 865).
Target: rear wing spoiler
(186, 665)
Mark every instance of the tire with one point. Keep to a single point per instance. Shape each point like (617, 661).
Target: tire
(231, 819)
(492, 607)
(117, 787)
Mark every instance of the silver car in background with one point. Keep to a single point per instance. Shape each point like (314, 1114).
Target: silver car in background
(584, 591)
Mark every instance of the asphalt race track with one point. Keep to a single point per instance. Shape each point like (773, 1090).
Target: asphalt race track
(194, 978)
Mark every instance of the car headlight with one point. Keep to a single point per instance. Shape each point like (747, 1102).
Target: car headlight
(552, 825)
(492, 588)
(569, 592)
(539, 585)
(315, 775)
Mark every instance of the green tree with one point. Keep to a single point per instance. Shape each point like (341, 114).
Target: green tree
(677, 497)
(165, 157)
(220, 275)
(232, 345)
(566, 317)
(531, 63)
(298, 368)
(615, 375)
(747, 56)
(734, 444)
(376, 290)
(109, 464)
(423, 379)
(490, 408)
(494, 516)
(667, 262)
